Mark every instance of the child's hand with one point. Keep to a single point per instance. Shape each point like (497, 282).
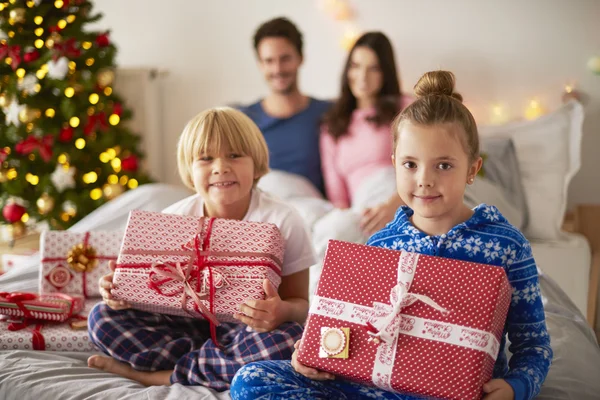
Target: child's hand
(308, 372)
(263, 315)
(106, 285)
(498, 389)
(375, 218)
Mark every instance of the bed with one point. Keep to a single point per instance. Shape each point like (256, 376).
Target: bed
(531, 193)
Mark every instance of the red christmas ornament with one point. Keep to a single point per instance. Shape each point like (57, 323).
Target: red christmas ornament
(3, 155)
(102, 40)
(66, 134)
(13, 212)
(118, 109)
(54, 28)
(31, 56)
(129, 163)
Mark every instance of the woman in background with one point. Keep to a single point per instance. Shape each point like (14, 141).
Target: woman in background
(356, 141)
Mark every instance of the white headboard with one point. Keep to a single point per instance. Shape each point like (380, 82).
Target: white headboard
(142, 92)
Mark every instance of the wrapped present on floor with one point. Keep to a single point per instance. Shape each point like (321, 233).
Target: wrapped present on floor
(195, 266)
(29, 334)
(406, 322)
(73, 262)
(56, 307)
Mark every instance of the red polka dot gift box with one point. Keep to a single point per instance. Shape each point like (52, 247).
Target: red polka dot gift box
(74, 262)
(406, 322)
(196, 266)
(18, 333)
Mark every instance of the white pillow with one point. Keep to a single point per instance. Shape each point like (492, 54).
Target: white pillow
(286, 185)
(549, 154)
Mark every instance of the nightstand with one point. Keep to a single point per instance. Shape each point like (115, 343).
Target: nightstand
(585, 219)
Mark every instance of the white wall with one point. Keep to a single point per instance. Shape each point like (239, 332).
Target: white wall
(507, 51)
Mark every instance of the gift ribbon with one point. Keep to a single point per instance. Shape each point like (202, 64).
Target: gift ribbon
(86, 239)
(181, 274)
(42, 145)
(21, 299)
(14, 52)
(37, 340)
(386, 322)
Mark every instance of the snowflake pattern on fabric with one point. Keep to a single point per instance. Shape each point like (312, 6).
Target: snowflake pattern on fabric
(485, 238)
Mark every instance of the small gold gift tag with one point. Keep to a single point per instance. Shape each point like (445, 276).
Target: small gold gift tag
(335, 342)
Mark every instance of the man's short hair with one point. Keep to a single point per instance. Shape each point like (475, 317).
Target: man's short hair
(279, 27)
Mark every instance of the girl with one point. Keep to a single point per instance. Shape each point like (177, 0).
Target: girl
(221, 155)
(436, 154)
(355, 136)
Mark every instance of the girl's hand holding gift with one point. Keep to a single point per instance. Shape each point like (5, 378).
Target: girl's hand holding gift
(498, 389)
(308, 372)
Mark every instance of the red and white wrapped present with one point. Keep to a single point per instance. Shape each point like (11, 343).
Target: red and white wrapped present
(56, 307)
(74, 262)
(26, 334)
(195, 266)
(406, 322)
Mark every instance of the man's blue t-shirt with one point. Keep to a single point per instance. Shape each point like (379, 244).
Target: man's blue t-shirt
(293, 142)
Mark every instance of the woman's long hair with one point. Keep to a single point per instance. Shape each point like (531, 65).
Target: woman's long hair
(338, 117)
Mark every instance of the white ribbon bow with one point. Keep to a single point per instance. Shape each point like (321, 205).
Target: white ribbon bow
(387, 326)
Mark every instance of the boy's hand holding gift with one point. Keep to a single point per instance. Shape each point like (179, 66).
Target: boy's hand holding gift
(106, 285)
(263, 315)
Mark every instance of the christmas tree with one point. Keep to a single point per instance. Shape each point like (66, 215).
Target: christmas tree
(64, 149)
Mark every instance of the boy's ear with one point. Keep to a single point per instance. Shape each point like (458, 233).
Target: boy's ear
(393, 161)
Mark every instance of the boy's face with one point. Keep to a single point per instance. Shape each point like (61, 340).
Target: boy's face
(224, 181)
(279, 61)
(432, 170)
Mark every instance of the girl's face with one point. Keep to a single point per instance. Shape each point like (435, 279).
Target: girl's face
(224, 181)
(364, 75)
(432, 170)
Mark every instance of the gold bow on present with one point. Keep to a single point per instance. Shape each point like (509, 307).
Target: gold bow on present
(82, 258)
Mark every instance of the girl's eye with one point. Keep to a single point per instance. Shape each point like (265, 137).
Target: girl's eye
(205, 158)
(409, 165)
(444, 166)
(234, 155)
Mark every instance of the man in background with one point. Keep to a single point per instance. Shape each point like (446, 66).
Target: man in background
(288, 119)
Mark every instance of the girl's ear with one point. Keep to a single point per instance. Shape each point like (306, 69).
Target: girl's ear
(474, 169)
(394, 161)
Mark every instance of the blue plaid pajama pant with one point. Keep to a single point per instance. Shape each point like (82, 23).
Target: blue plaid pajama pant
(277, 380)
(156, 342)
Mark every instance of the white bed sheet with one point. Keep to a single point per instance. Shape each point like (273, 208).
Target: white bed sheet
(575, 373)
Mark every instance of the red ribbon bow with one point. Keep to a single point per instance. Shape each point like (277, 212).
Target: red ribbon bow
(95, 120)
(32, 143)
(66, 49)
(14, 52)
(186, 276)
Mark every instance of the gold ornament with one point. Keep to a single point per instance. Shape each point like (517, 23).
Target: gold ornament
(4, 100)
(53, 39)
(82, 258)
(17, 15)
(3, 177)
(112, 190)
(17, 230)
(45, 203)
(27, 115)
(105, 77)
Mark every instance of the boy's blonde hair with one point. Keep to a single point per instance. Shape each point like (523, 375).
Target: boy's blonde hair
(214, 128)
(438, 103)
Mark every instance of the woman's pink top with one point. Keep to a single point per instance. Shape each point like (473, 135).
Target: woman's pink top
(355, 156)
